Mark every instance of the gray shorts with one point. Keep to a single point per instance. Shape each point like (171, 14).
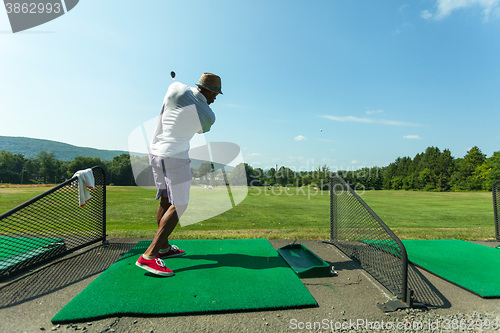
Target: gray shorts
(172, 178)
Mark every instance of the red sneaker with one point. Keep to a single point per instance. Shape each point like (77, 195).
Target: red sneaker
(172, 253)
(155, 266)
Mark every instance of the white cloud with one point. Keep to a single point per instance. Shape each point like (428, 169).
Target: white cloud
(299, 138)
(355, 162)
(446, 7)
(396, 123)
(369, 120)
(426, 15)
(349, 119)
(412, 137)
(370, 112)
(253, 154)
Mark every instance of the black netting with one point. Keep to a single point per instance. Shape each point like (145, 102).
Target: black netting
(358, 232)
(496, 207)
(51, 225)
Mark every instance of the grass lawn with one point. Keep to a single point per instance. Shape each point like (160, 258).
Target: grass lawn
(263, 213)
(434, 215)
(295, 213)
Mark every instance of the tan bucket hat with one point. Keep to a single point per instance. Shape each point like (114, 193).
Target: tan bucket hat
(211, 82)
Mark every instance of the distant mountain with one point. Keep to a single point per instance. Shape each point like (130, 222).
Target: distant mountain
(65, 152)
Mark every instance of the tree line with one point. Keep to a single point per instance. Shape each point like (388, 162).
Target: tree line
(45, 168)
(432, 170)
(436, 170)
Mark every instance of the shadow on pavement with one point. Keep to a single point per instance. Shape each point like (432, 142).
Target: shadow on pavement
(424, 291)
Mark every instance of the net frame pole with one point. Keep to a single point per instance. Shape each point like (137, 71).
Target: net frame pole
(495, 191)
(104, 204)
(404, 293)
(333, 212)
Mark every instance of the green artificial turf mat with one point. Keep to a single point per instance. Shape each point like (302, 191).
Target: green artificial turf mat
(472, 266)
(213, 276)
(386, 245)
(15, 250)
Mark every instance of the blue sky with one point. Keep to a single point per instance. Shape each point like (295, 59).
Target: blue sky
(346, 83)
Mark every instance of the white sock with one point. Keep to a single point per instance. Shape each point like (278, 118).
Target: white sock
(148, 257)
(165, 250)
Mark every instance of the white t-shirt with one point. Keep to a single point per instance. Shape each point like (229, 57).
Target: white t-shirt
(185, 112)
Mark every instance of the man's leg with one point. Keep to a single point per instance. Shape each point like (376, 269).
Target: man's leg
(163, 208)
(167, 219)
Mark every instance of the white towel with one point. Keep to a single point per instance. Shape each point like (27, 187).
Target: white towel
(85, 181)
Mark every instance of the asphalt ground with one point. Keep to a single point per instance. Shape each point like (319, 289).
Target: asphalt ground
(347, 301)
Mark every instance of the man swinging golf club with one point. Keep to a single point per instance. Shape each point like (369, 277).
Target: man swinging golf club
(185, 111)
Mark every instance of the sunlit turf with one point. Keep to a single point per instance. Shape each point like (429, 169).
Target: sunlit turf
(294, 213)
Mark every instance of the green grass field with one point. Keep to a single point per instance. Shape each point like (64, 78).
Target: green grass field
(296, 213)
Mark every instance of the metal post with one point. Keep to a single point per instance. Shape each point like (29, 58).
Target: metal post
(494, 191)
